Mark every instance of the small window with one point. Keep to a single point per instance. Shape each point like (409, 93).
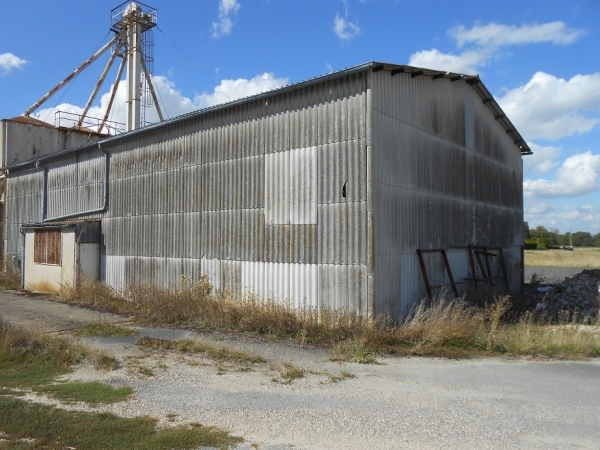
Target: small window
(47, 247)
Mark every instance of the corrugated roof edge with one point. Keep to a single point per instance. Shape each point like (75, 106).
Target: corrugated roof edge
(473, 80)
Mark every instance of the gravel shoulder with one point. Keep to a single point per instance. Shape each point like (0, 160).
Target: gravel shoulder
(398, 403)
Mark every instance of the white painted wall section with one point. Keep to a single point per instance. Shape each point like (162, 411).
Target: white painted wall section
(291, 187)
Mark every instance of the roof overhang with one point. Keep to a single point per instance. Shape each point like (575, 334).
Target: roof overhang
(473, 80)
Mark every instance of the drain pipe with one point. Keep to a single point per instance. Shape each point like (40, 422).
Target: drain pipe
(104, 206)
(22, 258)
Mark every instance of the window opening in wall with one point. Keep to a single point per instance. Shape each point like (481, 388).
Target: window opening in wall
(47, 247)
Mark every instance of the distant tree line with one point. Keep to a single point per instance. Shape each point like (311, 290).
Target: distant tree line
(543, 238)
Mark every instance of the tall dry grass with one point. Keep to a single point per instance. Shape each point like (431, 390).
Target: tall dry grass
(580, 257)
(10, 276)
(444, 327)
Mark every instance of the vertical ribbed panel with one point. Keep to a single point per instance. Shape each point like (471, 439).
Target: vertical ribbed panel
(23, 205)
(76, 184)
(115, 272)
(293, 284)
(256, 196)
(231, 276)
(290, 187)
(344, 287)
(303, 186)
(211, 267)
(445, 173)
(277, 188)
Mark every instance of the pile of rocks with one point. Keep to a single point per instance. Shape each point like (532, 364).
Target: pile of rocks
(572, 300)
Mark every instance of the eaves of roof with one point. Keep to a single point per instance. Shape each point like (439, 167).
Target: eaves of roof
(473, 80)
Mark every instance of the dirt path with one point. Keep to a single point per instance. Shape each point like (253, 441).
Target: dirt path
(399, 403)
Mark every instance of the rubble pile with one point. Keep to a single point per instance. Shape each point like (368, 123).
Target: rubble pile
(572, 300)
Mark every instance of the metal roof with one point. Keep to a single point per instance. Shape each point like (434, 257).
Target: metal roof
(472, 80)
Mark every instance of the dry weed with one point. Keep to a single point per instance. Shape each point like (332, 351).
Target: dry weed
(443, 327)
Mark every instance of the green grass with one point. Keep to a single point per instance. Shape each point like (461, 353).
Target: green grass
(29, 359)
(288, 372)
(92, 392)
(33, 361)
(47, 427)
(342, 376)
(104, 329)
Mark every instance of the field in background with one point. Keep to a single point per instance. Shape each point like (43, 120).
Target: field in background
(588, 257)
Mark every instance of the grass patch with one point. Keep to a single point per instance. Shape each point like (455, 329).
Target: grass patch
(447, 328)
(10, 276)
(288, 372)
(92, 392)
(104, 329)
(586, 257)
(30, 359)
(193, 346)
(47, 427)
(342, 376)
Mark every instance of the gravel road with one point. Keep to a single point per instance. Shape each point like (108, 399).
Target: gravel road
(551, 274)
(398, 403)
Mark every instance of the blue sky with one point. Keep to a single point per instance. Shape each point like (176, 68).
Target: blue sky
(540, 59)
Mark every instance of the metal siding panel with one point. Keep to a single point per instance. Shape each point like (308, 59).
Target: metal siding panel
(231, 276)
(115, 272)
(430, 191)
(291, 284)
(332, 172)
(252, 173)
(333, 234)
(276, 190)
(212, 268)
(303, 186)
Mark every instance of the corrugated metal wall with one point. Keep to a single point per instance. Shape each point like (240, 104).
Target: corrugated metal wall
(266, 197)
(281, 196)
(445, 173)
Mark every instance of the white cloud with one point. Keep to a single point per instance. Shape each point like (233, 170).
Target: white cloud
(495, 35)
(233, 89)
(345, 30)
(223, 27)
(543, 159)
(577, 218)
(172, 101)
(433, 59)
(578, 175)
(484, 42)
(539, 208)
(551, 108)
(8, 62)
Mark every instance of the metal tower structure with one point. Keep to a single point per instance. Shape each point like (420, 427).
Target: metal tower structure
(132, 22)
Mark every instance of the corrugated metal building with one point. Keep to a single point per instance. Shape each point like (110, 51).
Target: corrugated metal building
(318, 194)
